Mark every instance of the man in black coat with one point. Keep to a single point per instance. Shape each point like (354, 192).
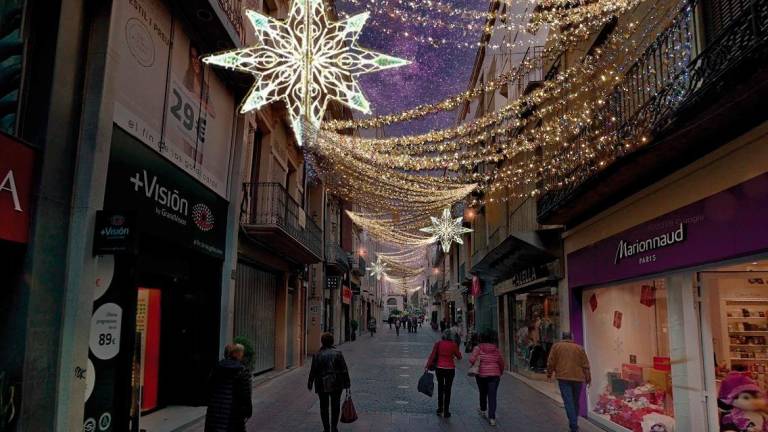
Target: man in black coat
(229, 393)
(329, 376)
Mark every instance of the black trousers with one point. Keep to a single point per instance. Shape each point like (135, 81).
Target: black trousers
(334, 400)
(444, 384)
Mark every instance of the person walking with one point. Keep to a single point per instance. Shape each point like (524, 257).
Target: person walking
(441, 358)
(372, 325)
(229, 393)
(570, 365)
(490, 368)
(456, 332)
(397, 326)
(329, 376)
(390, 319)
(443, 326)
(415, 324)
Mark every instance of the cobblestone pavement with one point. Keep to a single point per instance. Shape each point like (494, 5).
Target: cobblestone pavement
(385, 370)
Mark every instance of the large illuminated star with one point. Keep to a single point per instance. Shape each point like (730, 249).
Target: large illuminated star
(446, 230)
(306, 61)
(378, 268)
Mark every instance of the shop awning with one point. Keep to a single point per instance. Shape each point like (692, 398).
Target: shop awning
(518, 252)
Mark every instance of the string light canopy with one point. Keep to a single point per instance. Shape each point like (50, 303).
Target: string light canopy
(377, 268)
(305, 61)
(446, 230)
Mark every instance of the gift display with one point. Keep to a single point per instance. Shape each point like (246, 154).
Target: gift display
(643, 408)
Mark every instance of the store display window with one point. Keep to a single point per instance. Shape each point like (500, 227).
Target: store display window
(737, 299)
(627, 341)
(535, 330)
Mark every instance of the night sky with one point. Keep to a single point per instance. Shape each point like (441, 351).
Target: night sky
(436, 72)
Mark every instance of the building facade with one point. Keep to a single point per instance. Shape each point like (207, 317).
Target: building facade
(664, 256)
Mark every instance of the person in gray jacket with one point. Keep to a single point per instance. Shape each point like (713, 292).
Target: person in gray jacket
(329, 376)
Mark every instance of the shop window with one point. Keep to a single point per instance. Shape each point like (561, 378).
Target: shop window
(626, 330)
(736, 300)
(535, 329)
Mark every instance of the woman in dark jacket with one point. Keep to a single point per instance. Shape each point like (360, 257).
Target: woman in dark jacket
(329, 376)
(229, 393)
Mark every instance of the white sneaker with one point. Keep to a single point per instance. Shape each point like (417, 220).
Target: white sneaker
(482, 413)
(492, 422)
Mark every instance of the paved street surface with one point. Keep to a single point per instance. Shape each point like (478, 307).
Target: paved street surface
(385, 370)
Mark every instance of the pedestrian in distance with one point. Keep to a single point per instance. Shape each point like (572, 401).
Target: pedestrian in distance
(456, 332)
(329, 376)
(397, 327)
(372, 325)
(389, 320)
(570, 365)
(415, 324)
(443, 326)
(490, 364)
(229, 393)
(441, 359)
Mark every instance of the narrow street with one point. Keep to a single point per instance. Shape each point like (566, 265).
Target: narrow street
(385, 370)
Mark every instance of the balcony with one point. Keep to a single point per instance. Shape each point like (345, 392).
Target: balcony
(271, 217)
(673, 109)
(336, 258)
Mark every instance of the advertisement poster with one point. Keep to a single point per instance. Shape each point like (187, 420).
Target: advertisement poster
(199, 115)
(140, 45)
(182, 111)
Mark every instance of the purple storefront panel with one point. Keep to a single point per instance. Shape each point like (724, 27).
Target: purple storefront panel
(724, 226)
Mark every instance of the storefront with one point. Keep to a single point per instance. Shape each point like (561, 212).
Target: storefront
(529, 319)
(674, 311)
(155, 328)
(17, 164)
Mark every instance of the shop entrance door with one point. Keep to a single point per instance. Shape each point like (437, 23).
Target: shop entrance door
(291, 332)
(148, 316)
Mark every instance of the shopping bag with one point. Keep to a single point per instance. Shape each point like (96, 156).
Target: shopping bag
(426, 384)
(348, 411)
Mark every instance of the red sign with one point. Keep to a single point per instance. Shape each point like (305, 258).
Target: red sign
(17, 163)
(662, 364)
(346, 294)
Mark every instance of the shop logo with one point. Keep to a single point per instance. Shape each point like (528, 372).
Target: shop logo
(167, 198)
(116, 228)
(628, 249)
(203, 217)
(9, 185)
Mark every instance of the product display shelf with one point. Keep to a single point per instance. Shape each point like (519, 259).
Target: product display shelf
(747, 329)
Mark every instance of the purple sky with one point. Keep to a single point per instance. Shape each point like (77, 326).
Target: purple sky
(436, 72)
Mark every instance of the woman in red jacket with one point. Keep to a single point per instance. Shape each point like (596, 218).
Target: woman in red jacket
(489, 374)
(441, 359)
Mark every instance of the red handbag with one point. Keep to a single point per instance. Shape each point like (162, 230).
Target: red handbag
(348, 411)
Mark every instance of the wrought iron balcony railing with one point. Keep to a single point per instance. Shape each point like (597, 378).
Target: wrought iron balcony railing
(336, 256)
(671, 75)
(270, 206)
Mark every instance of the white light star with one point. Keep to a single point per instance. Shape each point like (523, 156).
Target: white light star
(446, 230)
(378, 268)
(306, 61)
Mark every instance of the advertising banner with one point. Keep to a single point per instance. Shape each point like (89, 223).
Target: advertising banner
(182, 111)
(168, 204)
(723, 226)
(17, 162)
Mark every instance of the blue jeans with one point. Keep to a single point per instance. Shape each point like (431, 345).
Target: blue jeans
(488, 387)
(571, 392)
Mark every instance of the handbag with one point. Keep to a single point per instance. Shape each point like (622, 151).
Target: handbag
(474, 370)
(427, 384)
(348, 411)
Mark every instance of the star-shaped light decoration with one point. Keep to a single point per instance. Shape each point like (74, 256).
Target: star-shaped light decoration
(446, 230)
(306, 61)
(378, 268)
